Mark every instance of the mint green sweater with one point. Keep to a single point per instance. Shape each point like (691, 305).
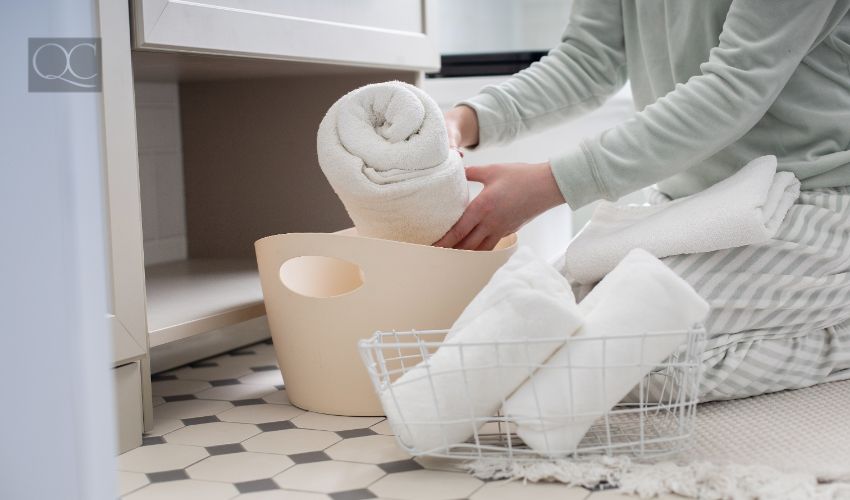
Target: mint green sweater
(716, 83)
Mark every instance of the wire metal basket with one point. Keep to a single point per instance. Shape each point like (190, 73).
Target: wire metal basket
(654, 419)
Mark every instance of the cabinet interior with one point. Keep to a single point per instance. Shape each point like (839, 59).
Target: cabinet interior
(227, 155)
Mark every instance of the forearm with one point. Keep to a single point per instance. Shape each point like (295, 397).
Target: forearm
(762, 44)
(575, 77)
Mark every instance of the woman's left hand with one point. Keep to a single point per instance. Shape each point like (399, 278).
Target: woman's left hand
(513, 194)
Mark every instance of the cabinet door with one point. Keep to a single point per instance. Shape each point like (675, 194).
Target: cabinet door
(372, 33)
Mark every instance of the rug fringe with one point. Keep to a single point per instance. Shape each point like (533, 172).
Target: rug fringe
(702, 480)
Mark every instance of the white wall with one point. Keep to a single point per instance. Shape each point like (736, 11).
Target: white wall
(161, 171)
(474, 26)
(56, 423)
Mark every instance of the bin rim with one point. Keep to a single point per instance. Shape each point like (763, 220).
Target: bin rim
(510, 241)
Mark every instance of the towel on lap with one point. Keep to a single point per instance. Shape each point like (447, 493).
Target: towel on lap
(743, 209)
(436, 404)
(385, 152)
(640, 295)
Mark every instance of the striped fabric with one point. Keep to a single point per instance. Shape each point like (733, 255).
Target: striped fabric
(780, 315)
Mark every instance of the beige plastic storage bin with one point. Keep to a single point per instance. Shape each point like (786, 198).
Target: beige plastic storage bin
(324, 292)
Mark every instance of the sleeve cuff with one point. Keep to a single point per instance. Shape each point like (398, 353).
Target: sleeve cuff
(491, 118)
(577, 177)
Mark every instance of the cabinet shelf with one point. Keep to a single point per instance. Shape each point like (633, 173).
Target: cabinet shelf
(188, 297)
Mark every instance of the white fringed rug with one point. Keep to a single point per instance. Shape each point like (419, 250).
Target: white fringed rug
(786, 445)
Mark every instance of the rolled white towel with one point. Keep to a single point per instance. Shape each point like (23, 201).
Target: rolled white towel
(385, 151)
(440, 402)
(740, 210)
(640, 295)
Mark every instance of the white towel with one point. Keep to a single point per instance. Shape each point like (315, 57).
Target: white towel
(743, 209)
(385, 151)
(437, 404)
(640, 295)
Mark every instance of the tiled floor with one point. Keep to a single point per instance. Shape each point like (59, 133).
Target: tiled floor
(224, 429)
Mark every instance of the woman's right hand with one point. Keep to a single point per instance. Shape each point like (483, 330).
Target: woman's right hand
(462, 127)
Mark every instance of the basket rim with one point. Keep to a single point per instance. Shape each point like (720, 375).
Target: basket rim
(377, 338)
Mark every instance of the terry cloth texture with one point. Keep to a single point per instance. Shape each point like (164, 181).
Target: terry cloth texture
(385, 151)
(744, 209)
(645, 310)
(488, 353)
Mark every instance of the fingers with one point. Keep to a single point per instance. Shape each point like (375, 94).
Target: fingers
(467, 222)
(480, 238)
(468, 233)
(489, 243)
(476, 174)
(471, 231)
(474, 239)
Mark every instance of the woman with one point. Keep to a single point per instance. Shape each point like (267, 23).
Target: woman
(716, 84)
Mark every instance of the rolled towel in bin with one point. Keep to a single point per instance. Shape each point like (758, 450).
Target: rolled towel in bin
(385, 152)
(443, 400)
(585, 378)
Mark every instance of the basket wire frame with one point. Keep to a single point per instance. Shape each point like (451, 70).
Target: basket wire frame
(656, 419)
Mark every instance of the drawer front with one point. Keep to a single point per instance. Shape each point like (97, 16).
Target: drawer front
(401, 15)
(386, 34)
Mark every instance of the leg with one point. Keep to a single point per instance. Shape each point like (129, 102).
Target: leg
(753, 367)
(780, 309)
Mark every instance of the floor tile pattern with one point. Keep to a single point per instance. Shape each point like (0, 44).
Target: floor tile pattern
(224, 429)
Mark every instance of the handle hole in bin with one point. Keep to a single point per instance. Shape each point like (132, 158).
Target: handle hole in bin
(320, 277)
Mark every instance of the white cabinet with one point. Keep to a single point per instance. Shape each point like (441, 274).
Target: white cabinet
(373, 33)
(211, 109)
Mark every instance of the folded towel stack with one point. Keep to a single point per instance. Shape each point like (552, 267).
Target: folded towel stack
(743, 209)
(443, 400)
(385, 151)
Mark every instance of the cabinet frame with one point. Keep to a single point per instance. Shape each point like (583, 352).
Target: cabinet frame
(128, 314)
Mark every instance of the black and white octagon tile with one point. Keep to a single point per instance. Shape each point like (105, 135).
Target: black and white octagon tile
(224, 429)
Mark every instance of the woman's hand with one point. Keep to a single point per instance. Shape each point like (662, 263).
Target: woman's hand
(514, 193)
(462, 127)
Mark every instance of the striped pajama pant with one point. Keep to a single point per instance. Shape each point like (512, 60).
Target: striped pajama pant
(780, 310)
